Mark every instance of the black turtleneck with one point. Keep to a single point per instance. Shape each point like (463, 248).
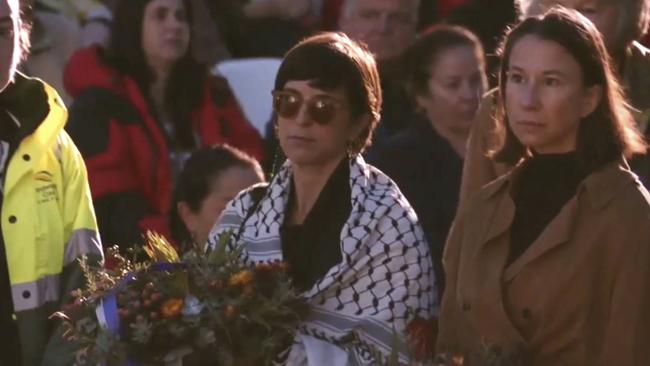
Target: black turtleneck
(314, 246)
(544, 185)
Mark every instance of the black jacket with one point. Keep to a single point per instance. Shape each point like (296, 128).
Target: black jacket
(427, 171)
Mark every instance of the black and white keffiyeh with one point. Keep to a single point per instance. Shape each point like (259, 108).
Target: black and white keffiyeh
(385, 277)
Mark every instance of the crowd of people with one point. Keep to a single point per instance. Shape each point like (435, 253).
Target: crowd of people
(478, 163)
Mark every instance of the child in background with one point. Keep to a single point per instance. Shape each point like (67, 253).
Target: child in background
(211, 177)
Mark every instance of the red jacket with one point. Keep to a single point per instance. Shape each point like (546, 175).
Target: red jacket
(126, 150)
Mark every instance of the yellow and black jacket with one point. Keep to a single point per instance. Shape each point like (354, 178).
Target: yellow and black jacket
(46, 218)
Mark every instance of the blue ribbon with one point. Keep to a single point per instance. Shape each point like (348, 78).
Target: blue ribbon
(108, 304)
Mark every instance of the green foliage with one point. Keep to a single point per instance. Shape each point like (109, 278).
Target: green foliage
(211, 304)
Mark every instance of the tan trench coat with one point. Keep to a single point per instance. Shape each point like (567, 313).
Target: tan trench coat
(479, 169)
(580, 294)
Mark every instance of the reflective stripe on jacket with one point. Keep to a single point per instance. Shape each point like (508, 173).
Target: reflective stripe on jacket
(48, 223)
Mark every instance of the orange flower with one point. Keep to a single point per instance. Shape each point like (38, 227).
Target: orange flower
(171, 308)
(241, 278)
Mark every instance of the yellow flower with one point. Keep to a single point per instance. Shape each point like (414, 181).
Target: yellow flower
(241, 278)
(159, 249)
(171, 308)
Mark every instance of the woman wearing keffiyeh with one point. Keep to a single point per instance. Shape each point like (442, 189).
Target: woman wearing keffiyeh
(353, 243)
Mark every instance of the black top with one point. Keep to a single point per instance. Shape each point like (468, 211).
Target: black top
(544, 185)
(313, 247)
(428, 172)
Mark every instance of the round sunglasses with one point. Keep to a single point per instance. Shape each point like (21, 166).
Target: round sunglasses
(320, 109)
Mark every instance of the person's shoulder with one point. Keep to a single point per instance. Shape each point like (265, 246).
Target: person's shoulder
(90, 67)
(619, 193)
(248, 198)
(632, 198)
(394, 149)
(626, 214)
(102, 104)
(382, 191)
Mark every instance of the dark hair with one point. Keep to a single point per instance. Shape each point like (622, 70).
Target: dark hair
(195, 181)
(183, 92)
(331, 61)
(609, 131)
(428, 47)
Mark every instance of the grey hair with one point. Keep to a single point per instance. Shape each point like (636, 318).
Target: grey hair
(633, 23)
(348, 7)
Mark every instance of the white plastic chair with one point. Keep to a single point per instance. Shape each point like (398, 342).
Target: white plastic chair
(252, 81)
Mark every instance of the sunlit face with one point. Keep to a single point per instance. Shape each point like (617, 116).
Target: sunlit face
(224, 188)
(545, 97)
(165, 32)
(605, 14)
(387, 26)
(456, 83)
(305, 141)
(9, 44)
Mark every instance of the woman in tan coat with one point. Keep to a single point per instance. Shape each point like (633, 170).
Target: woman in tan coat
(550, 264)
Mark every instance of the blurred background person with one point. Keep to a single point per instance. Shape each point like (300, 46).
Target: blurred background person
(622, 23)
(211, 177)
(548, 265)
(388, 27)
(264, 28)
(59, 28)
(445, 75)
(352, 242)
(489, 20)
(141, 106)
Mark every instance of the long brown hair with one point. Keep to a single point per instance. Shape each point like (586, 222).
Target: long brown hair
(609, 131)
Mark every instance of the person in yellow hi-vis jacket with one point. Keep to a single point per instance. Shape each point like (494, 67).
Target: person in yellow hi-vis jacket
(46, 216)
